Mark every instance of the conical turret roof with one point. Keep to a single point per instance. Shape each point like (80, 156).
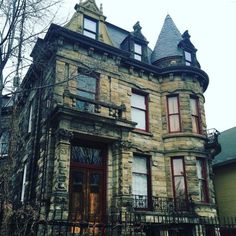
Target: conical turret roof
(168, 40)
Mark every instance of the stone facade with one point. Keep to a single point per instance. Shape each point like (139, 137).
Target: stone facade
(58, 122)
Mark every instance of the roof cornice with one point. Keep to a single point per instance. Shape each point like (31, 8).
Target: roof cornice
(56, 31)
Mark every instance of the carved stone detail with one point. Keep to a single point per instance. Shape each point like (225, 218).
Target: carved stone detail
(63, 134)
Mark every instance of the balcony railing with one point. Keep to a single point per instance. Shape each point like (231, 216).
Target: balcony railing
(163, 205)
(94, 106)
(212, 143)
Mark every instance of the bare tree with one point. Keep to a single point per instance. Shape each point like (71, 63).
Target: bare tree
(21, 22)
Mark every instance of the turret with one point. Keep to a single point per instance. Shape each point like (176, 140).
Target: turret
(172, 48)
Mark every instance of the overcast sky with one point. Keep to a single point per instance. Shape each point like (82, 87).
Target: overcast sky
(212, 26)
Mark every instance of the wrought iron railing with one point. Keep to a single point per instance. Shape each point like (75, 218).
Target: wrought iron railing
(212, 135)
(94, 106)
(163, 204)
(212, 143)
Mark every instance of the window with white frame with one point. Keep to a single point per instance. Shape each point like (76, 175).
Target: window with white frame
(30, 119)
(137, 51)
(4, 143)
(90, 28)
(173, 113)
(140, 181)
(23, 186)
(139, 110)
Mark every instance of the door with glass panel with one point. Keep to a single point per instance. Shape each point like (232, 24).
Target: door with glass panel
(87, 185)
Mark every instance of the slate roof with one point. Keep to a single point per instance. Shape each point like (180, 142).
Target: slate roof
(116, 34)
(227, 139)
(167, 42)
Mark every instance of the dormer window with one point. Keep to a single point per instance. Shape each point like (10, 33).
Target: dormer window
(188, 58)
(137, 52)
(90, 28)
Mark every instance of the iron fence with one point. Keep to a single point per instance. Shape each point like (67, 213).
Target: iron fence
(132, 224)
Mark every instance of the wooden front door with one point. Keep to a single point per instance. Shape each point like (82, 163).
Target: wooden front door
(87, 184)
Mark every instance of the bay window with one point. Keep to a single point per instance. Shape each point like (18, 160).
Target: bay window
(179, 178)
(139, 110)
(195, 115)
(202, 180)
(173, 113)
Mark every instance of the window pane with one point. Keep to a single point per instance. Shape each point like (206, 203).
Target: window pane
(137, 57)
(187, 56)
(140, 164)
(139, 117)
(86, 94)
(86, 83)
(195, 124)
(174, 123)
(138, 101)
(139, 184)
(4, 140)
(173, 105)
(178, 166)
(90, 25)
(89, 34)
(86, 155)
(199, 169)
(179, 187)
(193, 105)
(137, 48)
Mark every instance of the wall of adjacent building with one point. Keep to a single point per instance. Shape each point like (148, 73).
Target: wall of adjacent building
(224, 181)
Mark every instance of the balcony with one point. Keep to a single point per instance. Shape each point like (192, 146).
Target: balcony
(163, 205)
(212, 143)
(93, 106)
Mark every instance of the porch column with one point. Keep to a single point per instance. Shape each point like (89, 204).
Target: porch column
(60, 184)
(122, 182)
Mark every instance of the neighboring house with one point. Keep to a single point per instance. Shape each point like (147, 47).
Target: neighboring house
(108, 126)
(5, 131)
(224, 167)
(6, 127)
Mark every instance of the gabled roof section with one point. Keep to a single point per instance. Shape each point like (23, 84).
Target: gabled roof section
(89, 5)
(227, 140)
(168, 40)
